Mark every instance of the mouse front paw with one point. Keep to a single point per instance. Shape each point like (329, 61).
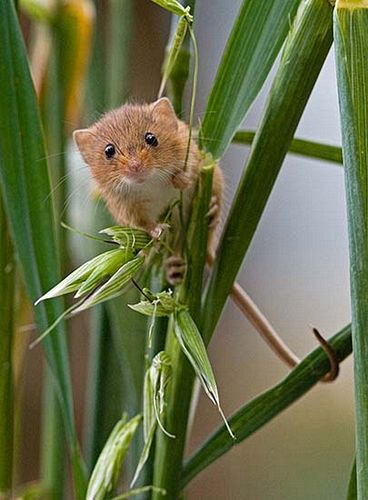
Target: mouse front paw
(213, 213)
(157, 231)
(175, 268)
(181, 180)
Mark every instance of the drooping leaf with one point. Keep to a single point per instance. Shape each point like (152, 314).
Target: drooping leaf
(191, 342)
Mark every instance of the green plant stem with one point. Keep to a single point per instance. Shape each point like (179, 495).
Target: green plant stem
(169, 452)
(310, 149)
(7, 287)
(351, 37)
(306, 49)
(255, 414)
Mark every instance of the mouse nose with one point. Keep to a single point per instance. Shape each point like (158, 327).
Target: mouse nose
(135, 166)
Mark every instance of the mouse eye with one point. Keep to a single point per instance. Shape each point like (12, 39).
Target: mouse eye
(110, 151)
(151, 139)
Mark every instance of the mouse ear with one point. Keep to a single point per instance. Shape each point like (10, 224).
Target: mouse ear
(84, 140)
(164, 108)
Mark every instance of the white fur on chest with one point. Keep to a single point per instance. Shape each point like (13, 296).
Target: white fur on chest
(157, 196)
(153, 196)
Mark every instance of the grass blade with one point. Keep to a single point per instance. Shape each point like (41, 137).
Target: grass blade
(351, 38)
(257, 36)
(309, 149)
(26, 188)
(253, 415)
(306, 49)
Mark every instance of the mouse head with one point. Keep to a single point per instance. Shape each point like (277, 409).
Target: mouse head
(133, 145)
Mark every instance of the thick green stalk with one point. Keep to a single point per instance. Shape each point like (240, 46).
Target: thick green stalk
(7, 288)
(351, 37)
(169, 452)
(255, 414)
(306, 49)
(309, 149)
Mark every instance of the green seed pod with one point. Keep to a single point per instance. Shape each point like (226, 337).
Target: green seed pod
(175, 7)
(112, 288)
(76, 278)
(156, 383)
(107, 470)
(127, 237)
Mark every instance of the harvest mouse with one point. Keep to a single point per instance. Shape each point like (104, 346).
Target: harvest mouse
(137, 155)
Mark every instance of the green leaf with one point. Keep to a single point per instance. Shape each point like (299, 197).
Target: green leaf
(310, 149)
(191, 342)
(113, 286)
(256, 38)
(351, 46)
(255, 414)
(305, 51)
(26, 193)
(107, 470)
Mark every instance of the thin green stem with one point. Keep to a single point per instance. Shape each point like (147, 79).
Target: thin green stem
(309, 149)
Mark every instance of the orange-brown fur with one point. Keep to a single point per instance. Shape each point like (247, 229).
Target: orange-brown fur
(141, 181)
